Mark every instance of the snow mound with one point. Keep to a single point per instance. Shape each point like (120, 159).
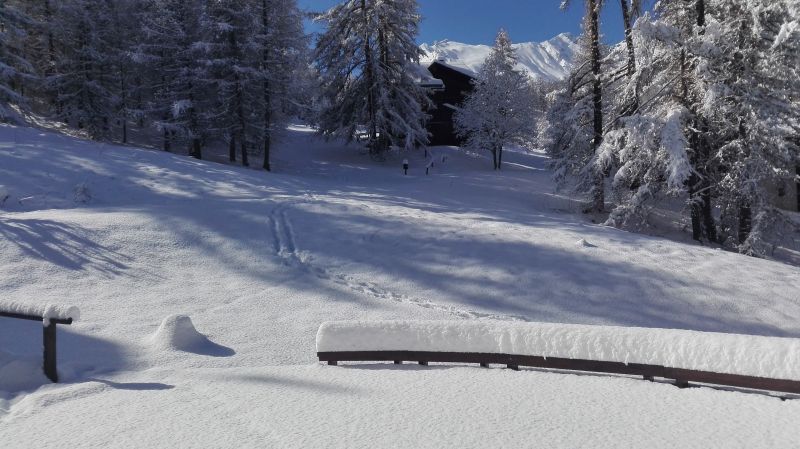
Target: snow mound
(47, 311)
(584, 244)
(177, 333)
(723, 353)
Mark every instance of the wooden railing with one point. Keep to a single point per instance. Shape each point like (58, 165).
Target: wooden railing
(680, 377)
(49, 336)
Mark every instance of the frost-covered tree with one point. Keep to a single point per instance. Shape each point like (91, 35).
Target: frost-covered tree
(364, 59)
(501, 109)
(573, 127)
(752, 111)
(717, 118)
(573, 140)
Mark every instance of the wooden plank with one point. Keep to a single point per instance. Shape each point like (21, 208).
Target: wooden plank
(649, 372)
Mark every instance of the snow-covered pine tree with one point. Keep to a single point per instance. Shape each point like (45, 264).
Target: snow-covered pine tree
(400, 101)
(155, 56)
(650, 144)
(364, 62)
(717, 117)
(15, 67)
(231, 68)
(500, 111)
(122, 26)
(83, 75)
(283, 65)
(188, 97)
(567, 126)
(753, 115)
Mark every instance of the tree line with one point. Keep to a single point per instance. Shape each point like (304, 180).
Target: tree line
(195, 71)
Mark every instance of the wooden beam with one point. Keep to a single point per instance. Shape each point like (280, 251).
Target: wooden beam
(649, 372)
(21, 316)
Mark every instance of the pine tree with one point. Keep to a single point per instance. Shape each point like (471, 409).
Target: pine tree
(364, 58)
(83, 73)
(570, 151)
(282, 66)
(231, 69)
(189, 98)
(500, 111)
(15, 67)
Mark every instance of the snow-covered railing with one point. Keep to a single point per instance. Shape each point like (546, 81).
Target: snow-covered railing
(746, 361)
(49, 315)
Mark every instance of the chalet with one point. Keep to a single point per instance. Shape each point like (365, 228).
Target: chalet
(449, 86)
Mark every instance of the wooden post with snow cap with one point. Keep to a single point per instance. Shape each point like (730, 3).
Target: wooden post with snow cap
(50, 316)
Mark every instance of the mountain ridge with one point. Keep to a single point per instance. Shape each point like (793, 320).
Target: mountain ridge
(549, 60)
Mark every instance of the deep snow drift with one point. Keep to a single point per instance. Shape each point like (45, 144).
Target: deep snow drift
(258, 260)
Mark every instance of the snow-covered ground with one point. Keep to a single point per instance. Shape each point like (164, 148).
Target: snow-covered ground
(140, 239)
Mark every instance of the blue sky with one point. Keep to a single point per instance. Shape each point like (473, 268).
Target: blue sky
(477, 21)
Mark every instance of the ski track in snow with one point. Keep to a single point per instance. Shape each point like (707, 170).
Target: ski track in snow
(285, 247)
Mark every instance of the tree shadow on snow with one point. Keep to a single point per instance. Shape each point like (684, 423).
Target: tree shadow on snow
(61, 244)
(133, 386)
(284, 381)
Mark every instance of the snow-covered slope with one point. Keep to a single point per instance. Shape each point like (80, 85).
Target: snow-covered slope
(548, 60)
(140, 240)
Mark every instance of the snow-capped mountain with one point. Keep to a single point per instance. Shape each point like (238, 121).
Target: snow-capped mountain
(548, 60)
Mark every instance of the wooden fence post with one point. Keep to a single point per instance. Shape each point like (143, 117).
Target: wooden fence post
(50, 352)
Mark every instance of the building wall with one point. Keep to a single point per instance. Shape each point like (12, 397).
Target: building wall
(457, 86)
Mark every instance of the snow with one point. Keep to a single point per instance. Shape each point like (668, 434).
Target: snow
(549, 60)
(49, 311)
(20, 373)
(177, 333)
(706, 351)
(4, 194)
(259, 260)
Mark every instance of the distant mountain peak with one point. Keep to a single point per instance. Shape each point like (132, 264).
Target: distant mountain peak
(549, 60)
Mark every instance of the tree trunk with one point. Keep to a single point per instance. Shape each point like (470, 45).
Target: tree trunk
(745, 221)
(699, 187)
(598, 193)
(167, 141)
(232, 148)
(245, 161)
(267, 145)
(499, 158)
(797, 171)
(626, 20)
(267, 96)
(196, 148)
(494, 158)
(369, 73)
